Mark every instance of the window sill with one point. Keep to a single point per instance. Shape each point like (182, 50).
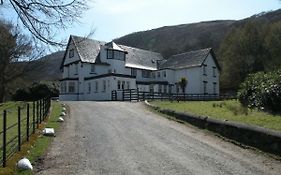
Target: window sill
(93, 73)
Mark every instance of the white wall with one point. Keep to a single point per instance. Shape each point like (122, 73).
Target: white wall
(209, 77)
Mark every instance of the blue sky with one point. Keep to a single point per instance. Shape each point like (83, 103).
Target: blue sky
(115, 18)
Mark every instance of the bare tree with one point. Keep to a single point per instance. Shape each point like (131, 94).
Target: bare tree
(13, 46)
(45, 18)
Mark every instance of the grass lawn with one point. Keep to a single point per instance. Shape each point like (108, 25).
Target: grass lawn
(38, 144)
(230, 110)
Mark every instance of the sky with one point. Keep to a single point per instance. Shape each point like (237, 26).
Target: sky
(115, 18)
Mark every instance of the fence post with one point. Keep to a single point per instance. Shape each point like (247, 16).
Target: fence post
(40, 111)
(138, 94)
(123, 94)
(27, 122)
(37, 113)
(19, 128)
(130, 94)
(33, 117)
(4, 137)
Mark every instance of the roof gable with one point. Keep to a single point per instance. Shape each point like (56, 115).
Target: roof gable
(188, 59)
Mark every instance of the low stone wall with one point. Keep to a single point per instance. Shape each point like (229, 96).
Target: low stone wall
(261, 138)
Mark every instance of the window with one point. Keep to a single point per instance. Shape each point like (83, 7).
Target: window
(158, 74)
(214, 71)
(159, 88)
(109, 54)
(128, 85)
(97, 86)
(71, 87)
(123, 84)
(204, 69)
(67, 71)
(146, 74)
(170, 88)
(109, 71)
(62, 87)
(93, 68)
(118, 85)
(153, 74)
(76, 69)
(151, 88)
(71, 53)
(164, 74)
(215, 87)
(165, 88)
(104, 86)
(133, 72)
(205, 87)
(177, 87)
(89, 87)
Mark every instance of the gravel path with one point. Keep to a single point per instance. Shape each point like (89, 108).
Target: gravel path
(126, 138)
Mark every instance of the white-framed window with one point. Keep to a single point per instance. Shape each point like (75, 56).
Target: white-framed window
(128, 85)
(93, 68)
(109, 54)
(89, 87)
(214, 71)
(165, 88)
(159, 88)
(214, 87)
(76, 68)
(204, 69)
(164, 74)
(96, 86)
(158, 74)
(118, 85)
(205, 83)
(71, 87)
(71, 53)
(123, 85)
(133, 72)
(153, 74)
(103, 85)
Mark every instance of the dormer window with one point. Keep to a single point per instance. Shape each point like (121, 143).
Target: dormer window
(109, 54)
(115, 54)
(93, 68)
(71, 53)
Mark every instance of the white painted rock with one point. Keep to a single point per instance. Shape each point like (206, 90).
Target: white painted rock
(58, 100)
(24, 164)
(63, 114)
(63, 109)
(49, 132)
(60, 119)
(63, 104)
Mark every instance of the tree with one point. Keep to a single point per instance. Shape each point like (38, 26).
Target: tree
(183, 83)
(273, 46)
(44, 18)
(243, 52)
(13, 46)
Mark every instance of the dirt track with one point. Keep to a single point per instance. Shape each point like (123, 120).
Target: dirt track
(126, 138)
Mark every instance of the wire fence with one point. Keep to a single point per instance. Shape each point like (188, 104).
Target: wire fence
(18, 123)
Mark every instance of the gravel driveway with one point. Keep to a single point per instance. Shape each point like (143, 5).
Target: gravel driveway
(126, 138)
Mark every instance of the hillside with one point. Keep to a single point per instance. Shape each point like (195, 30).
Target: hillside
(171, 40)
(46, 68)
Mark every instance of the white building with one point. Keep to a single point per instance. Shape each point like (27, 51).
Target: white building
(93, 69)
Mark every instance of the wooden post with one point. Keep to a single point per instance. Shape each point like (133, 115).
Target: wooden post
(27, 122)
(19, 129)
(37, 113)
(130, 94)
(40, 111)
(33, 117)
(4, 137)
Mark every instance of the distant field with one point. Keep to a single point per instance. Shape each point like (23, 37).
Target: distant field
(230, 110)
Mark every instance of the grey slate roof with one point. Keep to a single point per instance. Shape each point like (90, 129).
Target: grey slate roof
(88, 49)
(186, 60)
(142, 59)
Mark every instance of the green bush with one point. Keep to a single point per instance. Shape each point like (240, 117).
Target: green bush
(262, 90)
(36, 92)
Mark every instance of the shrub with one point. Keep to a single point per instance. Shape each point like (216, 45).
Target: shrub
(37, 91)
(262, 90)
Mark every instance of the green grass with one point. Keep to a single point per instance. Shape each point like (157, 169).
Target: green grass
(38, 144)
(230, 110)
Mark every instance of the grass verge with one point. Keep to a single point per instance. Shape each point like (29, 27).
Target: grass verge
(37, 145)
(230, 110)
